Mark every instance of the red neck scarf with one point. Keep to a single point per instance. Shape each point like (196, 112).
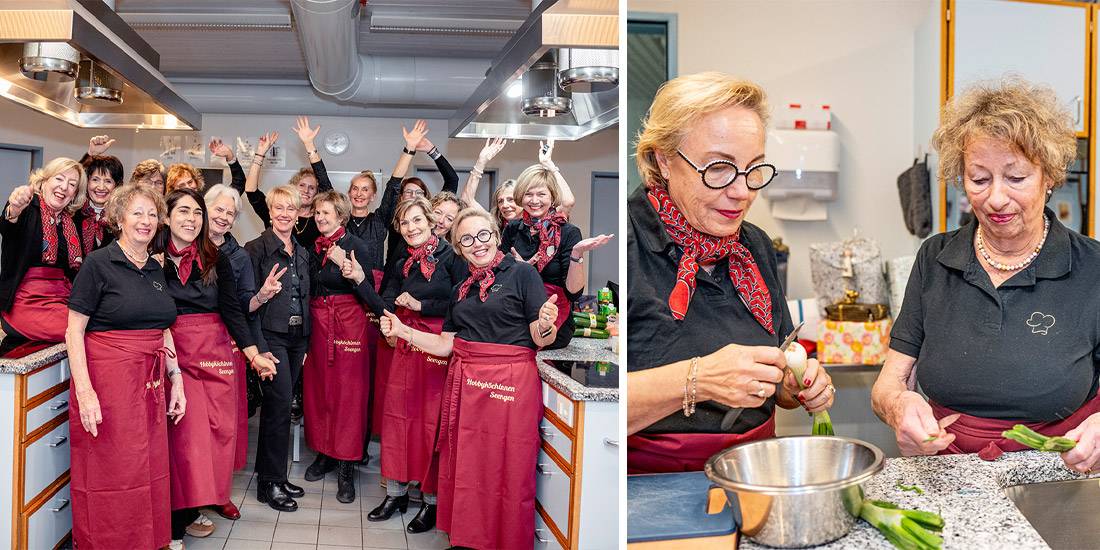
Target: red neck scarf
(323, 243)
(549, 231)
(188, 257)
(700, 248)
(425, 254)
(50, 219)
(92, 227)
(483, 276)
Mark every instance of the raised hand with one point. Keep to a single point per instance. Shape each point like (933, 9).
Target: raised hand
(413, 137)
(266, 141)
(591, 243)
(99, 145)
(305, 133)
(548, 313)
(218, 148)
(546, 153)
(18, 200)
(272, 284)
(493, 147)
(425, 145)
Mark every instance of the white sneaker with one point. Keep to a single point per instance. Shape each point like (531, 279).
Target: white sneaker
(175, 545)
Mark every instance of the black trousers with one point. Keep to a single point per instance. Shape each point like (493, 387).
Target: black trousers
(273, 446)
(181, 519)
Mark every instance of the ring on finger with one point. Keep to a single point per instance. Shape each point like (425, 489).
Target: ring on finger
(761, 392)
(831, 388)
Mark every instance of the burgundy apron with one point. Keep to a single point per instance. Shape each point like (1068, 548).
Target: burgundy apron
(383, 356)
(565, 308)
(686, 452)
(120, 484)
(204, 444)
(413, 397)
(241, 457)
(488, 446)
(40, 309)
(336, 377)
(974, 434)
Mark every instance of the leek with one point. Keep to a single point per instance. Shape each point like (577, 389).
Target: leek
(1030, 438)
(905, 529)
(911, 488)
(796, 361)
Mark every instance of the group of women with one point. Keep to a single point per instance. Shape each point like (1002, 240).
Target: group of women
(998, 326)
(163, 310)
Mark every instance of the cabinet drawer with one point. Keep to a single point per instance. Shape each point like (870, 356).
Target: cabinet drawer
(44, 379)
(52, 522)
(557, 439)
(544, 537)
(46, 459)
(561, 405)
(554, 491)
(46, 411)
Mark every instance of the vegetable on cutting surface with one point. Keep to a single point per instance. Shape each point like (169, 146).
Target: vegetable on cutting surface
(1031, 438)
(796, 361)
(911, 488)
(905, 529)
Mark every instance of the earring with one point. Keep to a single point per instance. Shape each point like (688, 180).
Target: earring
(1050, 192)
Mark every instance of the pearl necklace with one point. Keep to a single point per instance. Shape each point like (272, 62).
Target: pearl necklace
(133, 257)
(1018, 266)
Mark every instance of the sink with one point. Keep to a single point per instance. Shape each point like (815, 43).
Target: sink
(1063, 512)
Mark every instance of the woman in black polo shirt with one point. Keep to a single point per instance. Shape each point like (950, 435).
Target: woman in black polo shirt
(284, 318)
(121, 356)
(492, 402)
(706, 309)
(418, 288)
(999, 320)
(41, 251)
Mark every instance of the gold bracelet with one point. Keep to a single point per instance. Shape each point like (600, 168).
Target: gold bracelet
(692, 380)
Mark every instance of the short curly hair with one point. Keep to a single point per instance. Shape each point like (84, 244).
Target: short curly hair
(146, 168)
(123, 195)
(1026, 115)
(179, 170)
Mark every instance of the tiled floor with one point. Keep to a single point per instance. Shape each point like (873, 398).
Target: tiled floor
(321, 522)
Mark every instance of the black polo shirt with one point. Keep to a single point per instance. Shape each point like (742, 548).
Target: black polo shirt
(373, 228)
(326, 279)
(518, 236)
(220, 296)
(506, 315)
(266, 251)
(22, 250)
(1027, 350)
(434, 295)
(116, 295)
(716, 316)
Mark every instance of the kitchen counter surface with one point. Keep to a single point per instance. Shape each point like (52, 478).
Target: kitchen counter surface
(28, 363)
(967, 491)
(579, 349)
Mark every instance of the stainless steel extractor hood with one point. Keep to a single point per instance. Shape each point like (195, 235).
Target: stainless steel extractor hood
(119, 83)
(558, 30)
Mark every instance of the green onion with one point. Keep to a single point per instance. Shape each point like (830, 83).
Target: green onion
(796, 361)
(905, 529)
(1030, 438)
(910, 488)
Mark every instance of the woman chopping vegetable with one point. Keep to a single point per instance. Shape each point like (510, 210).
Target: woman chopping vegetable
(706, 311)
(999, 324)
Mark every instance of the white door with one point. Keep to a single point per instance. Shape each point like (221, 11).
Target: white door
(1043, 43)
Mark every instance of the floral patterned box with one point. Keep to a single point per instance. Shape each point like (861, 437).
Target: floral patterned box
(849, 342)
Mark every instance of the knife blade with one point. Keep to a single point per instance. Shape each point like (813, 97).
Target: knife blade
(733, 414)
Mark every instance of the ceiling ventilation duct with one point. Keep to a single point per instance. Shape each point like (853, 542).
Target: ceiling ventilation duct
(49, 61)
(541, 95)
(96, 86)
(586, 70)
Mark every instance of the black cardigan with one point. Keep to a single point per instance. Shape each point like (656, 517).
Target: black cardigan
(22, 245)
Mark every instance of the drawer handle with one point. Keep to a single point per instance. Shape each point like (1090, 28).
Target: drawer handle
(59, 441)
(64, 503)
(544, 469)
(58, 405)
(547, 433)
(539, 539)
(610, 442)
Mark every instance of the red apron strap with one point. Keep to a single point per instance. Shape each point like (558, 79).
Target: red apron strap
(974, 434)
(685, 452)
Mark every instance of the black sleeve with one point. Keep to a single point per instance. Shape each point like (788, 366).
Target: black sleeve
(365, 291)
(508, 237)
(391, 284)
(385, 211)
(246, 289)
(456, 268)
(570, 236)
(229, 304)
(534, 293)
(450, 177)
(321, 173)
(259, 204)
(11, 230)
(448, 319)
(87, 289)
(907, 335)
(239, 177)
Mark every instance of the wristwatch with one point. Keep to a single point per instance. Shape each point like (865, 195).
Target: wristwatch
(407, 151)
(577, 260)
(434, 153)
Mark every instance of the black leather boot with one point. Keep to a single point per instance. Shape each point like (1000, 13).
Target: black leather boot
(388, 507)
(345, 481)
(293, 490)
(321, 466)
(273, 495)
(424, 520)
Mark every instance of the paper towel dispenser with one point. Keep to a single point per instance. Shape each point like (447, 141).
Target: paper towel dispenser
(808, 163)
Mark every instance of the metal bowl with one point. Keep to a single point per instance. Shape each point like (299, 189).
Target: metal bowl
(799, 491)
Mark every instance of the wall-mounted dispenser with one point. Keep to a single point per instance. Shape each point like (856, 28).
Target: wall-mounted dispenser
(809, 170)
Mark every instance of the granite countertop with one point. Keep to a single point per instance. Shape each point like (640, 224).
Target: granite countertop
(580, 349)
(26, 364)
(967, 491)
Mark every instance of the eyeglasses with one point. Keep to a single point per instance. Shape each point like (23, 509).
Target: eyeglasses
(468, 240)
(414, 193)
(718, 174)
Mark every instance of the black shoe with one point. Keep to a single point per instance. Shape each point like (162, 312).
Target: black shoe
(296, 409)
(424, 520)
(293, 490)
(345, 482)
(388, 507)
(274, 496)
(321, 466)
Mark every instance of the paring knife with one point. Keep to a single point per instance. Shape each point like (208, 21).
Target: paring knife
(733, 414)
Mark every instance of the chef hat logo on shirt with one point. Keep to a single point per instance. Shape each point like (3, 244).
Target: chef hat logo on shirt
(1040, 323)
(496, 287)
(157, 286)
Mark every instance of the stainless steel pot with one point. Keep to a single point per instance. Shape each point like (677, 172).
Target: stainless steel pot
(799, 491)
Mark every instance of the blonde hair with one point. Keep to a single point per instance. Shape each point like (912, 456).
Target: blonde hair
(1028, 116)
(447, 196)
(408, 204)
(679, 104)
(146, 168)
(286, 192)
(60, 165)
(339, 202)
(366, 175)
(473, 212)
(123, 195)
(535, 176)
(178, 171)
(219, 190)
(508, 187)
(304, 172)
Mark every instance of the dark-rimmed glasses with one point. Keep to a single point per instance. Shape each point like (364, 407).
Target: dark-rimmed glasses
(468, 240)
(718, 174)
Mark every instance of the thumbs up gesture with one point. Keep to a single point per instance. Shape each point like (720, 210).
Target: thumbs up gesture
(547, 313)
(389, 324)
(351, 269)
